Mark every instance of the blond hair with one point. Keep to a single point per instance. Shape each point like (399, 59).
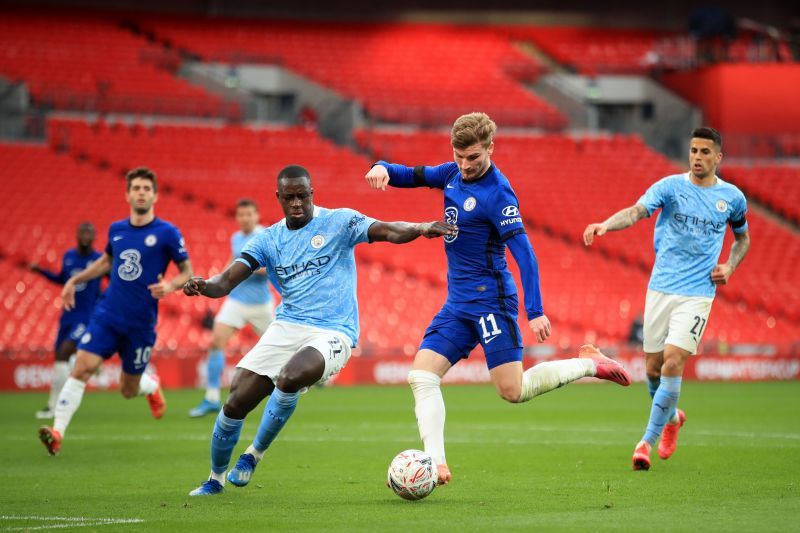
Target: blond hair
(471, 129)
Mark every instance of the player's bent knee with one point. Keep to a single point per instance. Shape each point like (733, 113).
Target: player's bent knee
(510, 393)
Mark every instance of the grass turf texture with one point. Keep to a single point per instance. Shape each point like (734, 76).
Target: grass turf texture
(559, 462)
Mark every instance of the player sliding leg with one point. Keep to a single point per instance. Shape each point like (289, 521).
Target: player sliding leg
(663, 408)
(86, 364)
(512, 384)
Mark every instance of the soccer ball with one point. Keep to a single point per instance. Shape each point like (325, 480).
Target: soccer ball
(413, 474)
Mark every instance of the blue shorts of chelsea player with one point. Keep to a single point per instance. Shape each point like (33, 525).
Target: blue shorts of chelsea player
(458, 328)
(71, 330)
(134, 344)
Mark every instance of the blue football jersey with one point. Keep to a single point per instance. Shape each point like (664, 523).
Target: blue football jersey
(690, 230)
(255, 289)
(487, 214)
(86, 294)
(314, 268)
(139, 254)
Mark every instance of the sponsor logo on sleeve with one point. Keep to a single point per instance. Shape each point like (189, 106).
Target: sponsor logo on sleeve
(511, 213)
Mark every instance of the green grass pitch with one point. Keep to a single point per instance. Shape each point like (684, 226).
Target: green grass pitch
(560, 462)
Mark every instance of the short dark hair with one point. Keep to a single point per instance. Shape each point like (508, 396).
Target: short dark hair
(142, 173)
(711, 134)
(293, 171)
(247, 202)
(88, 226)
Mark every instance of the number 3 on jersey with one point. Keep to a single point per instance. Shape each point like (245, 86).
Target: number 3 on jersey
(489, 336)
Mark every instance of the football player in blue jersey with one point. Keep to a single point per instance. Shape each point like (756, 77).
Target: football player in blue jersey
(138, 252)
(309, 256)
(696, 207)
(482, 303)
(249, 303)
(73, 322)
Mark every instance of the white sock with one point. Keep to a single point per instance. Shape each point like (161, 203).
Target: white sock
(147, 385)
(212, 395)
(60, 375)
(545, 377)
(68, 402)
(218, 477)
(255, 453)
(429, 408)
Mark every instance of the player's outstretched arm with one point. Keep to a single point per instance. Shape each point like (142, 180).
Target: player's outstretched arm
(722, 273)
(622, 219)
(402, 232)
(165, 287)
(221, 284)
(97, 269)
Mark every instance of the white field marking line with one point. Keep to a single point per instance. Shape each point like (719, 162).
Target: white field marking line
(477, 439)
(66, 521)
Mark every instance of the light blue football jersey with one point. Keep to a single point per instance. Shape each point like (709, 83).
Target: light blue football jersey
(314, 268)
(690, 230)
(255, 289)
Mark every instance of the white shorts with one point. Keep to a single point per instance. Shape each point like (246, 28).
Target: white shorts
(237, 314)
(284, 339)
(676, 320)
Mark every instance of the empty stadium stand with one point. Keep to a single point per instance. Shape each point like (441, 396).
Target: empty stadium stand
(87, 62)
(408, 73)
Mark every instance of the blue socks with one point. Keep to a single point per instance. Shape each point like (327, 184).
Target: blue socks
(215, 367)
(664, 401)
(652, 387)
(223, 441)
(279, 408)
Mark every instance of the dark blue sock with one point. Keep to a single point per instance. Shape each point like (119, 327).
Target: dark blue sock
(223, 441)
(279, 408)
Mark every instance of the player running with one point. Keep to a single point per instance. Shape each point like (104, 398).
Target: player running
(695, 208)
(309, 257)
(482, 304)
(138, 252)
(249, 303)
(73, 322)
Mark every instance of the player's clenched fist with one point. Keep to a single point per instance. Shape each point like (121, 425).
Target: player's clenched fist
(592, 230)
(378, 177)
(194, 287)
(540, 327)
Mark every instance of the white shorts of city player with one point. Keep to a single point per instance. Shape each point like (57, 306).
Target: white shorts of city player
(676, 320)
(284, 339)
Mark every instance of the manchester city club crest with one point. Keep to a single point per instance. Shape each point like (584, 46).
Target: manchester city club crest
(317, 241)
(469, 203)
(722, 206)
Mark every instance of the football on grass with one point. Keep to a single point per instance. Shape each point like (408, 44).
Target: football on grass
(412, 474)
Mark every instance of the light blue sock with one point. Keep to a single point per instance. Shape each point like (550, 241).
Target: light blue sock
(215, 367)
(652, 387)
(664, 402)
(279, 408)
(223, 441)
